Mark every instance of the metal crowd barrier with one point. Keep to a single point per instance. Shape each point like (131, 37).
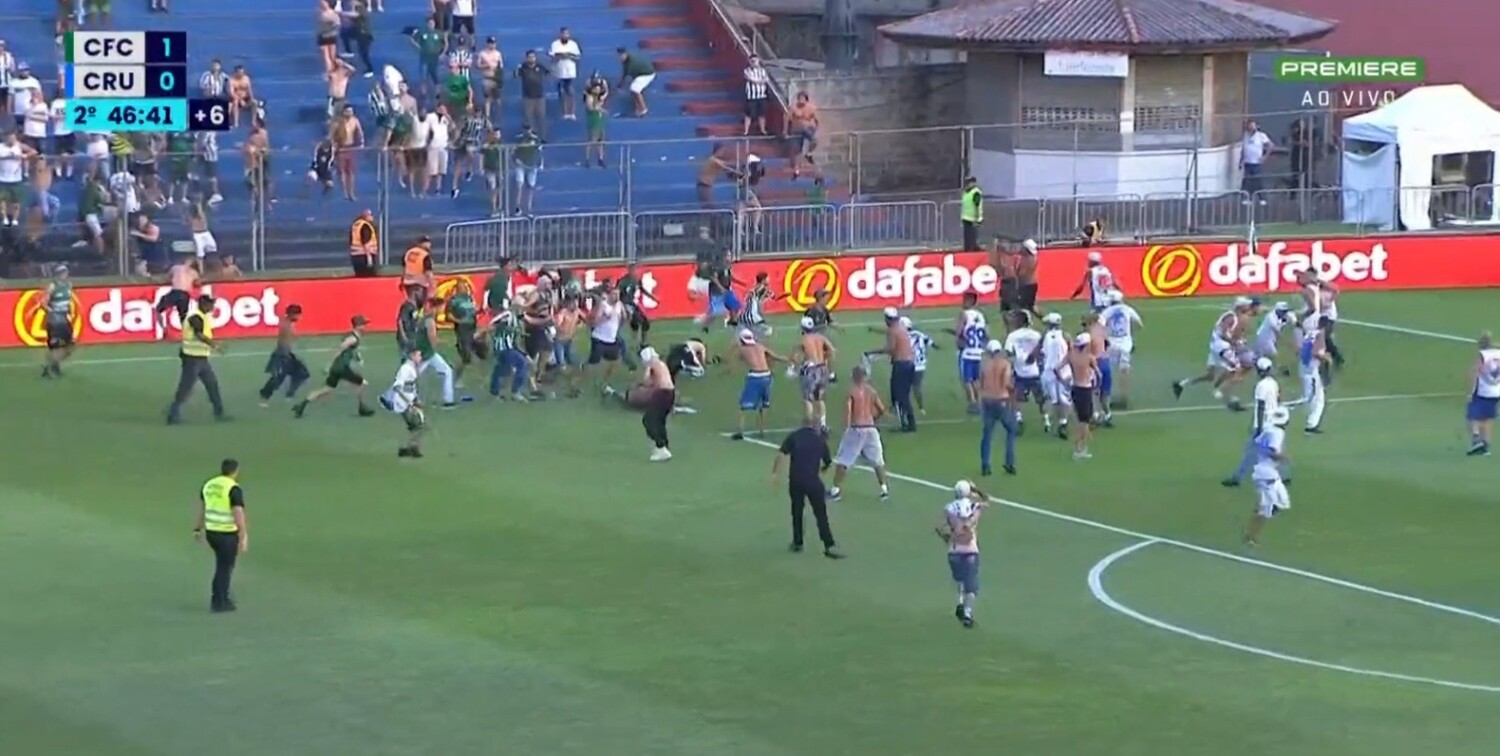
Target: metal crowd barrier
(924, 224)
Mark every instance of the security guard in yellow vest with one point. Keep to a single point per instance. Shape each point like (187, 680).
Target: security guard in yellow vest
(221, 522)
(197, 346)
(971, 212)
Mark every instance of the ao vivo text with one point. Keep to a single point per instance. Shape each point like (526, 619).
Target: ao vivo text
(124, 314)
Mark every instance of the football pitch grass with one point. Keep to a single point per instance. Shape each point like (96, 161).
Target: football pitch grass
(535, 586)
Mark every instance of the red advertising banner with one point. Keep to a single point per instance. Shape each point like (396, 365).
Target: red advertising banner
(854, 282)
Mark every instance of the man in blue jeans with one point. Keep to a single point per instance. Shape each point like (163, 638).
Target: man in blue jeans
(505, 334)
(997, 405)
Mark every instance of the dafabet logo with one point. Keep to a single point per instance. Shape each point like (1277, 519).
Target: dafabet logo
(805, 278)
(1172, 270)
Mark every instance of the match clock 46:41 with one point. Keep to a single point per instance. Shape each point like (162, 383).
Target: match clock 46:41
(110, 115)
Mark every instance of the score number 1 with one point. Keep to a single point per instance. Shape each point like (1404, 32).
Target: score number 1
(208, 114)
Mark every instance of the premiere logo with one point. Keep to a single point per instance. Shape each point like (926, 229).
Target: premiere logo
(31, 318)
(804, 278)
(1172, 270)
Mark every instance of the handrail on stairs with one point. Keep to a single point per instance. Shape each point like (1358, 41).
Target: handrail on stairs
(746, 49)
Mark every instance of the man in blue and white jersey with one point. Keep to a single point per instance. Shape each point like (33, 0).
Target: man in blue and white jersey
(1267, 401)
(970, 333)
(1486, 396)
(959, 529)
(920, 344)
(1312, 362)
(1057, 376)
(1098, 281)
(1120, 322)
(1223, 367)
(1268, 335)
(1023, 345)
(1270, 489)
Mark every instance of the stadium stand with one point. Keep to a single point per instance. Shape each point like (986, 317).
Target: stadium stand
(653, 160)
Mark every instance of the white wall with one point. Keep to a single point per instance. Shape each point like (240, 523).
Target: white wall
(1055, 175)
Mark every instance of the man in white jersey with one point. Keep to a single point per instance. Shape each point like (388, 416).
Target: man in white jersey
(1057, 376)
(1023, 344)
(1482, 404)
(1120, 322)
(1267, 400)
(1312, 362)
(1098, 281)
(1223, 349)
(1321, 298)
(970, 333)
(1270, 457)
(920, 344)
(959, 529)
(1272, 327)
(402, 399)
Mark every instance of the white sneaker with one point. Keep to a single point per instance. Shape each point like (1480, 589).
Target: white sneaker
(684, 410)
(661, 455)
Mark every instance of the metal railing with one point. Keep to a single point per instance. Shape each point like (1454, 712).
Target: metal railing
(919, 225)
(642, 206)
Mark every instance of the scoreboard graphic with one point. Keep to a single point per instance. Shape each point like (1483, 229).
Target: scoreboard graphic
(124, 81)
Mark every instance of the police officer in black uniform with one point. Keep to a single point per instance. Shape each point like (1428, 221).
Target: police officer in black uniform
(808, 456)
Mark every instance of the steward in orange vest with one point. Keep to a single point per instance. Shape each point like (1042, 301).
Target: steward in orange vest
(416, 267)
(364, 246)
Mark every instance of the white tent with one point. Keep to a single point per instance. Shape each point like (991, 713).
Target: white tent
(1422, 124)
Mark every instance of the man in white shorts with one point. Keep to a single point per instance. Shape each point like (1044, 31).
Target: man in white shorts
(861, 436)
(1120, 321)
(204, 243)
(636, 74)
(1270, 490)
(1057, 378)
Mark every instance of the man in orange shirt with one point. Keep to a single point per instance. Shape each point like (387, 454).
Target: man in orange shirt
(416, 267)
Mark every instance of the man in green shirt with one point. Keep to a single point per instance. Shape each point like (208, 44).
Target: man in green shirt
(527, 159)
(408, 320)
(425, 341)
(595, 101)
(180, 153)
(636, 73)
(492, 162)
(458, 91)
(430, 44)
(497, 289)
(463, 314)
(347, 367)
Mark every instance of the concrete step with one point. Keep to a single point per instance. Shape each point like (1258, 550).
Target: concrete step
(672, 43)
(721, 85)
(657, 21)
(725, 107)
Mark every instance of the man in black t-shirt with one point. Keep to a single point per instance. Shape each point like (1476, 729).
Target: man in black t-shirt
(807, 455)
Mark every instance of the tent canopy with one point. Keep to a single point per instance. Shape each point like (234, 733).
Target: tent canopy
(1448, 116)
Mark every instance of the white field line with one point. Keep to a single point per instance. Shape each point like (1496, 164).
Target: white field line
(1187, 408)
(1387, 327)
(1096, 587)
(1195, 548)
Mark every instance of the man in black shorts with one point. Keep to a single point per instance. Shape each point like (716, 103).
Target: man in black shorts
(346, 368)
(537, 314)
(284, 365)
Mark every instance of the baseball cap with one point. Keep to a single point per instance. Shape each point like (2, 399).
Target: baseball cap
(905, 322)
(994, 346)
(891, 312)
(1029, 245)
(1264, 363)
(1053, 318)
(648, 354)
(963, 488)
(1095, 257)
(1083, 339)
(359, 320)
(747, 336)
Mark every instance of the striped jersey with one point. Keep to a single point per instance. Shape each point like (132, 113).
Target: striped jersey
(463, 58)
(473, 130)
(208, 146)
(213, 84)
(7, 67)
(920, 343)
(757, 83)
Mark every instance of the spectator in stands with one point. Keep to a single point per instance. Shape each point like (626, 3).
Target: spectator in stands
(13, 158)
(471, 130)
(461, 57)
(93, 201)
(24, 90)
(463, 17)
(228, 270)
(596, 113)
(207, 170)
(492, 162)
(345, 137)
(803, 132)
(257, 156)
(491, 65)
(439, 141)
(320, 168)
(124, 201)
(403, 124)
(151, 249)
(1254, 147)
(338, 87)
(431, 44)
(720, 161)
(533, 77)
(526, 156)
(565, 54)
(241, 96)
(750, 207)
(7, 72)
(458, 93)
(359, 28)
(34, 127)
(44, 204)
(214, 82)
(757, 93)
(159, 6)
(64, 142)
(181, 150)
(96, 149)
(416, 151)
(96, 13)
(636, 73)
(442, 15)
(329, 22)
(143, 165)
